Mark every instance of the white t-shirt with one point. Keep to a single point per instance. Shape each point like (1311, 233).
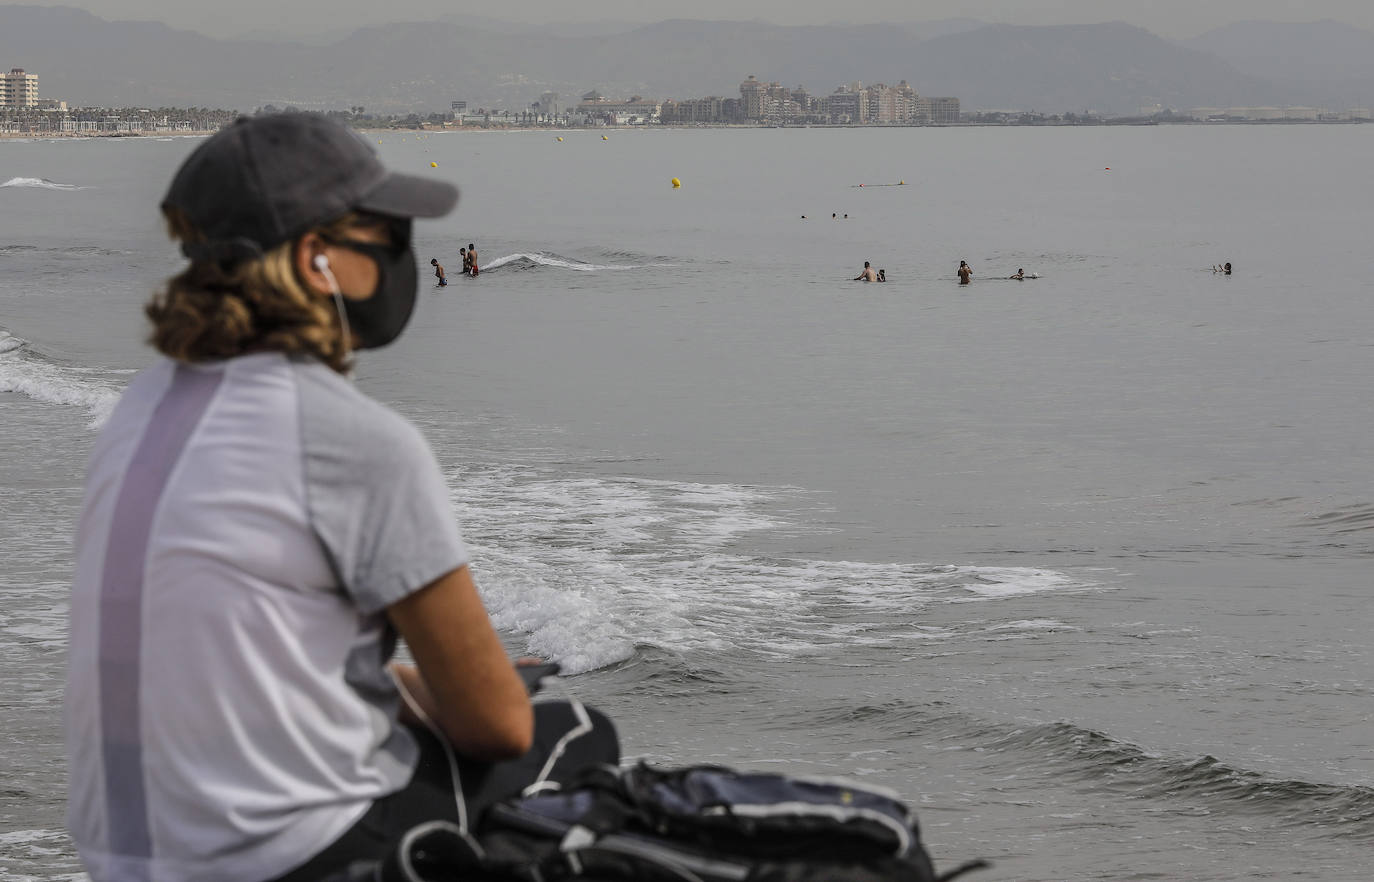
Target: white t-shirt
(245, 525)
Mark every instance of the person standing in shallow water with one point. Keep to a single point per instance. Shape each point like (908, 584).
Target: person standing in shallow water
(472, 260)
(255, 536)
(439, 272)
(965, 273)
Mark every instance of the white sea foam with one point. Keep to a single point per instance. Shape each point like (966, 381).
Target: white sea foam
(539, 258)
(41, 183)
(45, 852)
(43, 380)
(589, 569)
(1033, 625)
(985, 583)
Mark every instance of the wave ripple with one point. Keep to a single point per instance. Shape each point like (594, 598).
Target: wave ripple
(1091, 755)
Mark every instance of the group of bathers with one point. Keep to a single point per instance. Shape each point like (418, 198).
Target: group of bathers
(469, 255)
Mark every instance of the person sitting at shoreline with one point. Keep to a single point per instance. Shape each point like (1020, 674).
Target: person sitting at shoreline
(868, 275)
(256, 536)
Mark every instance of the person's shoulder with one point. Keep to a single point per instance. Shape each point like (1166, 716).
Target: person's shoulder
(342, 424)
(136, 403)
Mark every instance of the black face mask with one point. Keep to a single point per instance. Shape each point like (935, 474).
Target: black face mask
(380, 318)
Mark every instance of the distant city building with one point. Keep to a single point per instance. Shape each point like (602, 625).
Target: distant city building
(1260, 114)
(634, 111)
(846, 106)
(752, 93)
(458, 108)
(548, 105)
(944, 111)
(18, 89)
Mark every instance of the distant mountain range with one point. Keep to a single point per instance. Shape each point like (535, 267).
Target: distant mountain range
(1111, 68)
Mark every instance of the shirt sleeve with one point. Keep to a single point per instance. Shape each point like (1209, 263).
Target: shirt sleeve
(377, 499)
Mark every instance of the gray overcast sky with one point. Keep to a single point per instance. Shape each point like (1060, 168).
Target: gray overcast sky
(1169, 18)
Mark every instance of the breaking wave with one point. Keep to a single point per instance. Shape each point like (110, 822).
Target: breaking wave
(537, 259)
(590, 570)
(31, 374)
(40, 183)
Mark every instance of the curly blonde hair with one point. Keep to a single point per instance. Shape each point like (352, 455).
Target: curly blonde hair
(214, 310)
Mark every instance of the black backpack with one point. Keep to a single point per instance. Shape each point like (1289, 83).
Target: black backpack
(692, 824)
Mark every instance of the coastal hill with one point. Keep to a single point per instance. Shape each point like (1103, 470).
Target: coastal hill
(1323, 61)
(1111, 68)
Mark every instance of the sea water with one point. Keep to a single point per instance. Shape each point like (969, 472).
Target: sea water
(1078, 564)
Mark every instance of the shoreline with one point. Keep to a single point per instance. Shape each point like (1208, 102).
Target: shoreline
(476, 129)
(75, 136)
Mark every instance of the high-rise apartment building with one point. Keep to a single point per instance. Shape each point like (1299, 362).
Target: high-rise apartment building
(753, 94)
(18, 89)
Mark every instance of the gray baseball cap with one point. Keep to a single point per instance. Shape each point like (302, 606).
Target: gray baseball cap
(265, 180)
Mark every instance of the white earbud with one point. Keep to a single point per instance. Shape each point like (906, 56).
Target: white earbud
(322, 264)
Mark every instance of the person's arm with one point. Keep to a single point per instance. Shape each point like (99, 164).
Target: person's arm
(464, 682)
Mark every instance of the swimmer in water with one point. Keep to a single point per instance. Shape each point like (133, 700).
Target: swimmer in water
(1020, 274)
(439, 272)
(867, 275)
(965, 273)
(472, 260)
(882, 275)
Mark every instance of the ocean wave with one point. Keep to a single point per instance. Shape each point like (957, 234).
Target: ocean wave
(47, 852)
(30, 374)
(1086, 754)
(93, 250)
(536, 259)
(621, 256)
(1350, 519)
(1065, 751)
(40, 183)
(591, 570)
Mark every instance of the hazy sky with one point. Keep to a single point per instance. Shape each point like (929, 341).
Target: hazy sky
(1169, 18)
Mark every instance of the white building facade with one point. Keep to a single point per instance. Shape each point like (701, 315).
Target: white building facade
(18, 89)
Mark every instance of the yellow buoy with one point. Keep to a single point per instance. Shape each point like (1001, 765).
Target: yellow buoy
(560, 138)
(604, 138)
(901, 183)
(434, 165)
(676, 183)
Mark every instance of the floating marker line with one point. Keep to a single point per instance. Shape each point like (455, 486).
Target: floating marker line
(898, 184)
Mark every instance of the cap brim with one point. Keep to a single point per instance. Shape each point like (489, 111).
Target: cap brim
(410, 196)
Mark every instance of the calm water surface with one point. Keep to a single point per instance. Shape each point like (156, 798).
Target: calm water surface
(1079, 564)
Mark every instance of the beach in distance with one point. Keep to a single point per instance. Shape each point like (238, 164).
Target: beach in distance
(1078, 563)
